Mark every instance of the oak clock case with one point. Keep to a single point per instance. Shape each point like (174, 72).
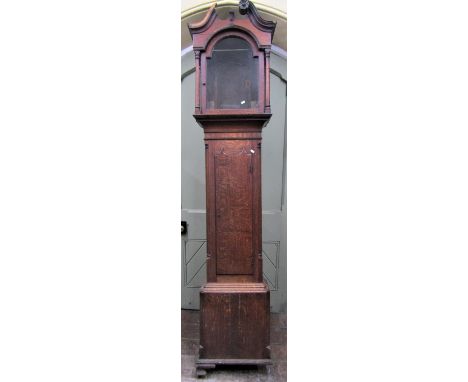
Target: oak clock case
(232, 105)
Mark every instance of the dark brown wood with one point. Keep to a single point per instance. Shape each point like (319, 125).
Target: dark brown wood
(233, 184)
(211, 363)
(253, 29)
(235, 302)
(197, 81)
(235, 321)
(267, 81)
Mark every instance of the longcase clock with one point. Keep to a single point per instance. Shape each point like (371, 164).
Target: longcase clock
(232, 105)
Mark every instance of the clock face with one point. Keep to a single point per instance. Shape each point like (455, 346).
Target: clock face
(232, 76)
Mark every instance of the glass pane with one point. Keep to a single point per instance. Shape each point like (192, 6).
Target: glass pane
(232, 76)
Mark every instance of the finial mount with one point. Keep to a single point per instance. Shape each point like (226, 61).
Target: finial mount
(243, 6)
(247, 7)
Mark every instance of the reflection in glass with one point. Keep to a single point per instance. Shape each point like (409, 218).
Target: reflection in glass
(232, 76)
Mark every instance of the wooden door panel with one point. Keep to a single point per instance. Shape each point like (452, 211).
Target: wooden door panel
(234, 256)
(234, 213)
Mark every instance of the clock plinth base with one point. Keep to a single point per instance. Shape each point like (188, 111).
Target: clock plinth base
(234, 324)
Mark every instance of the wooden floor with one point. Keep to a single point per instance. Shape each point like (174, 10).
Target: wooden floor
(272, 373)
